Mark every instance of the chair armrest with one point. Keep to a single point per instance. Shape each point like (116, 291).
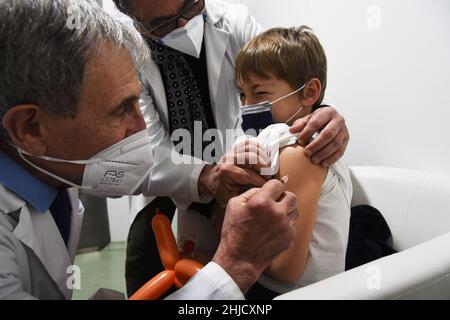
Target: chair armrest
(422, 272)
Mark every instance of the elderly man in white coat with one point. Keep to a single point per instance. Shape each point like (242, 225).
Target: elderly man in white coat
(70, 119)
(189, 85)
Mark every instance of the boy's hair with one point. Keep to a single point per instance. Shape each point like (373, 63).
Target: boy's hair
(294, 55)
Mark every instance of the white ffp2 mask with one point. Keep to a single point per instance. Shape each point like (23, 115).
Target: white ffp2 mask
(116, 171)
(187, 39)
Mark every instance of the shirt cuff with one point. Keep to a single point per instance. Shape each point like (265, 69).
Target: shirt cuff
(227, 286)
(194, 196)
(195, 176)
(210, 283)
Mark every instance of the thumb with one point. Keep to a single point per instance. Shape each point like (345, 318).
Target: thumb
(299, 126)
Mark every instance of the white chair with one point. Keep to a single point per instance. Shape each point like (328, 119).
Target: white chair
(416, 206)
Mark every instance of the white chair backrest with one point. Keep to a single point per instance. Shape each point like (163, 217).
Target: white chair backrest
(415, 204)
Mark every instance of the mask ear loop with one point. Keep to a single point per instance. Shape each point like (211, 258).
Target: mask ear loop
(296, 114)
(290, 94)
(67, 182)
(22, 154)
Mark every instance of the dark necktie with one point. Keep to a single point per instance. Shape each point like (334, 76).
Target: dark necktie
(61, 211)
(184, 99)
(182, 90)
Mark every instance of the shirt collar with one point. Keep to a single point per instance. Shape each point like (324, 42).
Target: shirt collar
(213, 12)
(18, 180)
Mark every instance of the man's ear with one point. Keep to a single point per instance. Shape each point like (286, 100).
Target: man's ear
(311, 92)
(26, 128)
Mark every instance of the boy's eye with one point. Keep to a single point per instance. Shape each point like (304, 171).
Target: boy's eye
(262, 93)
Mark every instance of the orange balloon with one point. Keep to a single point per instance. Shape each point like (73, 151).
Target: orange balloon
(156, 287)
(185, 269)
(177, 272)
(178, 284)
(165, 240)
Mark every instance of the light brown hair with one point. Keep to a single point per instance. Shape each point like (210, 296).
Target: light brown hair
(294, 55)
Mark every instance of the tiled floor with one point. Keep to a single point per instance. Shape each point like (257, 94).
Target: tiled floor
(104, 269)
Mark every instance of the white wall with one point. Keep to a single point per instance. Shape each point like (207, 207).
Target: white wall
(119, 219)
(392, 83)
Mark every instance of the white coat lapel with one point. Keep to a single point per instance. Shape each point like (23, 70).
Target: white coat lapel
(216, 43)
(39, 232)
(155, 85)
(76, 223)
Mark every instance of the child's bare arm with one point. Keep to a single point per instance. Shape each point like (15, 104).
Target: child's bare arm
(305, 180)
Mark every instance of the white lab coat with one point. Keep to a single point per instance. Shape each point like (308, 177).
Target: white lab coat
(35, 235)
(34, 260)
(228, 27)
(33, 256)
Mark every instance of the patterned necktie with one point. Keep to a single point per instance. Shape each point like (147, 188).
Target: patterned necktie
(182, 90)
(61, 211)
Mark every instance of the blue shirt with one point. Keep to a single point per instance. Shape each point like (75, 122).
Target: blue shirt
(20, 181)
(37, 193)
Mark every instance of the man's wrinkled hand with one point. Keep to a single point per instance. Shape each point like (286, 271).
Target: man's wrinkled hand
(331, 143)
(257, 227)
(225, 181)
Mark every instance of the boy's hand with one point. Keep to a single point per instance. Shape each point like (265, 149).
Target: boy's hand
(248, 155)
(331, 143)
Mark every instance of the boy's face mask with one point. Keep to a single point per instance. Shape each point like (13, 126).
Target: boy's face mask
(259, 116)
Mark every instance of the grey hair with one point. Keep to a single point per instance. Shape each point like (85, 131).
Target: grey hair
(44, 48)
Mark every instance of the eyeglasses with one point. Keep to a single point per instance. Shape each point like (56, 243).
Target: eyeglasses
(165, 26)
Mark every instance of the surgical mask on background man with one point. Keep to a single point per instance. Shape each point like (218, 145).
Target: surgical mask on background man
(187, 39)
(116, 171)
(259, 116)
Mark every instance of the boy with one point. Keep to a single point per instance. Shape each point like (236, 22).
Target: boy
(284, 71)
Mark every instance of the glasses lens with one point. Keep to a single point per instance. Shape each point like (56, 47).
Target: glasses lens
(193, 9)
(165, 28)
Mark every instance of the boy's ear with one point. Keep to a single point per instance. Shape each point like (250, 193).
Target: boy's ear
(311, 92)
(26, 128)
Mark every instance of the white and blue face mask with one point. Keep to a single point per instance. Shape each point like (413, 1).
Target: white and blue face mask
(259, 116)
